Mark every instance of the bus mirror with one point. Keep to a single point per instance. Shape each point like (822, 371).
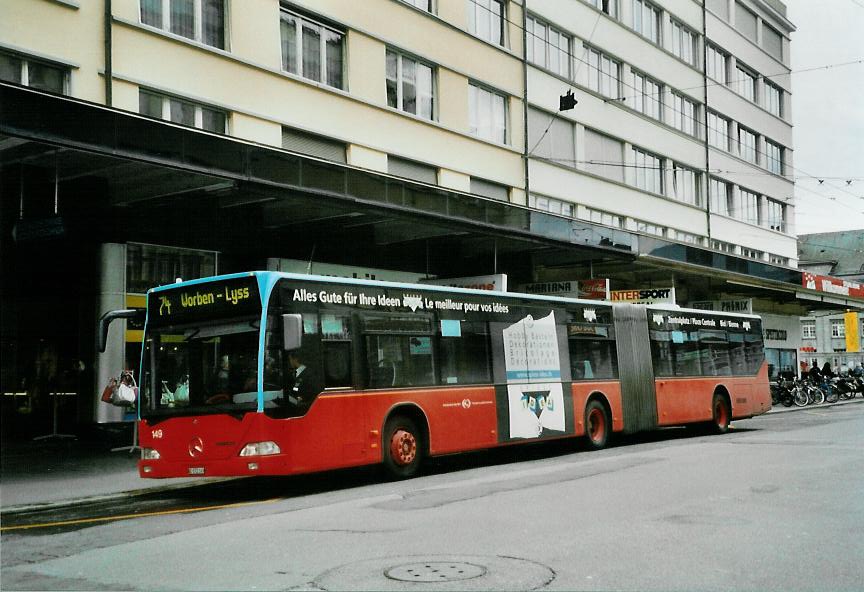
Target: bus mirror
(105, 320)
(292, 331)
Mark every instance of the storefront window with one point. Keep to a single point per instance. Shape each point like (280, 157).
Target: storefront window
(148, 266)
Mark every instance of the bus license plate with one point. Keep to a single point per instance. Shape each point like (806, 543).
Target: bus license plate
(196, 470)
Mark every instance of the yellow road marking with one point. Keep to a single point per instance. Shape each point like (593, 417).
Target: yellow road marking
(143, 515)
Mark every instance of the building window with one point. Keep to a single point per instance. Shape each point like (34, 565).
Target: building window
(723, 246)
(604, 156)
(552, 137)
(774, 99)
(718, 131)
(312, 50)
(410, 169)
(684, 43)
(745, 22)
(647, 96)
(646, 20)
(409, 85)
(604, 218)
(747, 207)
(181, 111)
(684, 115)
(548, 47)
(685, 185)
(747, 145)
(808, 329)
(550, 204)
(487, 114)
(751, 253)
(686, 237)
(313, 145)
(772, 42)
(775, 215)
(424, 5)
(746, 83)
(486, 20)
(602, 73)
(648, 171)
(720, 194)
(649, 228)
(773, 157)
(489, 189)
(838, 328)
(778, 259)
(610, 7)
(35, 74)
(199, 20)
(716, 66)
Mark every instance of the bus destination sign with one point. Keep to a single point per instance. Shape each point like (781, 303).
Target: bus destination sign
(227, 298)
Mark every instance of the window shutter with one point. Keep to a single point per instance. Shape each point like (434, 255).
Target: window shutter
(319, 146)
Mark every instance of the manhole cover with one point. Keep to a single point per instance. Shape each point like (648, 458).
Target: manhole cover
(438, 573)
(435, 571)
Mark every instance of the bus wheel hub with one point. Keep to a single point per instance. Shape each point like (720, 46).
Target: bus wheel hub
(403, 447)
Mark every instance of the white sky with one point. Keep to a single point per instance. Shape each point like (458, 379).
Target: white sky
(828, 114)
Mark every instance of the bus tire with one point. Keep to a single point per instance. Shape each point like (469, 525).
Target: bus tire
(402, 447)
(597, 425)
(721, 414)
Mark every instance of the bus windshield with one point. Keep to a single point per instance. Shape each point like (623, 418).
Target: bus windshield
(201, 368)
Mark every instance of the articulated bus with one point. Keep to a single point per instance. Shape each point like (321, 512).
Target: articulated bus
(267, 373)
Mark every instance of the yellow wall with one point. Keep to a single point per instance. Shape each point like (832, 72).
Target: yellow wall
(246, 79)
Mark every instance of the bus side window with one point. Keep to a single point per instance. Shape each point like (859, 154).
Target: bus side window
(336, 350)
(463, 352)
(737, 359)
(593, 359)
(661, 352)
(714, 353)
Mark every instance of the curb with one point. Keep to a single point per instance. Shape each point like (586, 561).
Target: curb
(83, 501)
(780, 409)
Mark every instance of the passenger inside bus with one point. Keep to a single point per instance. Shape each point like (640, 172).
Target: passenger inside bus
(303, 382)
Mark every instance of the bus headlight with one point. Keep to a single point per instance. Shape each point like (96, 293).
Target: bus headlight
(260, 449)
(150, 454)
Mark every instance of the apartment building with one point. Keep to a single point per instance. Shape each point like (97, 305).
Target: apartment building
(144, 140)
(683, 124)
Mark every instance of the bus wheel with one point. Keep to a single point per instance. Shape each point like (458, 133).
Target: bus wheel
(403, 447)
(721, 415)
(597, 425)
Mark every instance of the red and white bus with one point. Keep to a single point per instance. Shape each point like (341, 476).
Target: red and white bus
(269, 373)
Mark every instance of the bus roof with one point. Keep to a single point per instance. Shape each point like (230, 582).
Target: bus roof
(433, 288)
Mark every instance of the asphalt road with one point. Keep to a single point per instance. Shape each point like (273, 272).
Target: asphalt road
(777, 504)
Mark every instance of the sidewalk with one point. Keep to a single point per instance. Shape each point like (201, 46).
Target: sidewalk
(60, 472)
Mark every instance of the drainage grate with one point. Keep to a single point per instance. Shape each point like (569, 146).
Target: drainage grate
(435, 571)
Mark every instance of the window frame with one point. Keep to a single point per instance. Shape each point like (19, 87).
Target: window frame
(714, 133)
(838, 329)
(685, 115)
(680, 34)
(198, 32)
(745, 150)
(717, 62)
(479, 7)
(400, 83)
(641, 168)
(746, 82)
(596, 61)
(198, 116)
(643, 95)
(565, 61)
(747, 206)
(25, 68)
(497, 134)
(808, 329)
(773, 99)
(303, 21)
(655, 33)
(720, 193)
(686, 185)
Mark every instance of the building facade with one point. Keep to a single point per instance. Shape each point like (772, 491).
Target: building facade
(144, 140)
